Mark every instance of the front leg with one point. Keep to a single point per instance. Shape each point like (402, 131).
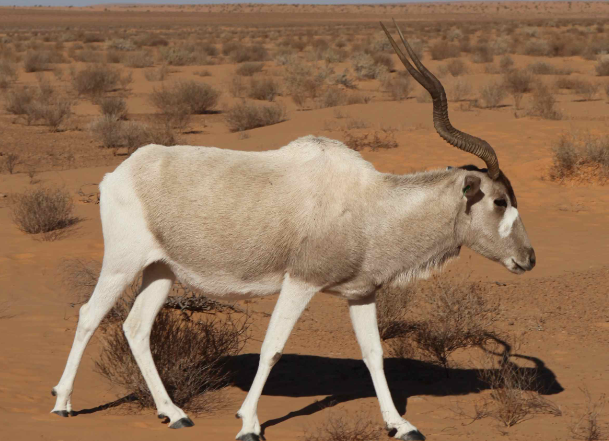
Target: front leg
(293, 299)
(363, 317)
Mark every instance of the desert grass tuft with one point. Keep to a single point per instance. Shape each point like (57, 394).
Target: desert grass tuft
(580, 155)
(188, 352)
(343, 426)
(246, 116)
(43, 210)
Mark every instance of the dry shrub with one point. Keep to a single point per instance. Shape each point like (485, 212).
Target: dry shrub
(10, 161)
(114, 57)
(579, 155)
(19, 100)
(343, 426)
(543, 103)
(602, 66)
(381, 59)
(514, 394)
(455, 67)
(39, 104)
(423, 97)
(108, 129)
(391, 308)
(137, 134)
(517, 83)
(358, 98)
(266, 89)
(113, 133)
(158, 74)
(543, 68)
(482, 53)
(459, 89)
(254, 52)
(8, 73)
(506, 62)
(537, 47)
(332, 97)
(114, 106)
(492, 94)
(587, 427)
(43, 210)
(139, 59)
(184, 55)
(246, 116)
(188, 352)
(399, 87)
(36, 61)
(96, 80)
(457, 314)
(86, 56)
(184, 98)
(121, 44)
(303, 83)
(365, 66)
(587, 90)
(380, 139)
(344, 80)
(249, 69)
(566, 83)
(443, 49)
(151, 40)
(52, 112)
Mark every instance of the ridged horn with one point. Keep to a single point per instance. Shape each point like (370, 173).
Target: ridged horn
(459, 139)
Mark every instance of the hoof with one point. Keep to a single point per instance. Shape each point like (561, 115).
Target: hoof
(182, 422)
(413, 435)
(53, 392)
(249, 437)
(62, 413)
(161, 416)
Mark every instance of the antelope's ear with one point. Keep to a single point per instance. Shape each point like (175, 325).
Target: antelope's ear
(471, 186)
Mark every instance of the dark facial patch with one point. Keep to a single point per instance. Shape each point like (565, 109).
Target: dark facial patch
(501, 178)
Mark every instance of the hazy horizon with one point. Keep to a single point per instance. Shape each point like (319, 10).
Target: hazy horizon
(81, 3)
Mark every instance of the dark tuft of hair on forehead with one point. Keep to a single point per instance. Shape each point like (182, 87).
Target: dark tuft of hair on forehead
(501, 178)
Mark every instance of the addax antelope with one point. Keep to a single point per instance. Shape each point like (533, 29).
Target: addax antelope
(312, 216)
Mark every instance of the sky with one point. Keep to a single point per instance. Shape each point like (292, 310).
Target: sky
(184, 2)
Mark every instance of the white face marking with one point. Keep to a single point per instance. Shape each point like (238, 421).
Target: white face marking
(509, 217)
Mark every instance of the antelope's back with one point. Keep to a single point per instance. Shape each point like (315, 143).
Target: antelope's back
(296, 209)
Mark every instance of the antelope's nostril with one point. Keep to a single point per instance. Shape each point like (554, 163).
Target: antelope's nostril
(532, 259)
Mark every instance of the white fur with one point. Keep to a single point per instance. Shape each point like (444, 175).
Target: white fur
(293, 299)
(509, 217)
(363, 317)
(316, 191)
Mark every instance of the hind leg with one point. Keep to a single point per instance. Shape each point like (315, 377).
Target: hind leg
(156, 284)
(113, 280)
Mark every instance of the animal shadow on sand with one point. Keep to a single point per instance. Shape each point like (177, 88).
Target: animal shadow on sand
(344, 379)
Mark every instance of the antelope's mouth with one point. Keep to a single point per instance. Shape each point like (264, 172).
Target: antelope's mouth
(514, 267)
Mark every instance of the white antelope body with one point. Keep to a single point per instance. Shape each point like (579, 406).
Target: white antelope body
(312, 216)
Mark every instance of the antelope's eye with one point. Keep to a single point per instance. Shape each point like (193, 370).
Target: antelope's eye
(500, 202)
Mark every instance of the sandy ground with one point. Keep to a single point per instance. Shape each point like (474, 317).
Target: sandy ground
(562, 304)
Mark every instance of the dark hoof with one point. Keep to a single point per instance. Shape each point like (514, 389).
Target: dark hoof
(63, 413)
(182, 422)
(414, 435)
(161, 416)
(249, 437)
(53, 392)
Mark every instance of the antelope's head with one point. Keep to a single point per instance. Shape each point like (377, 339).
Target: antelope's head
(488, 221)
